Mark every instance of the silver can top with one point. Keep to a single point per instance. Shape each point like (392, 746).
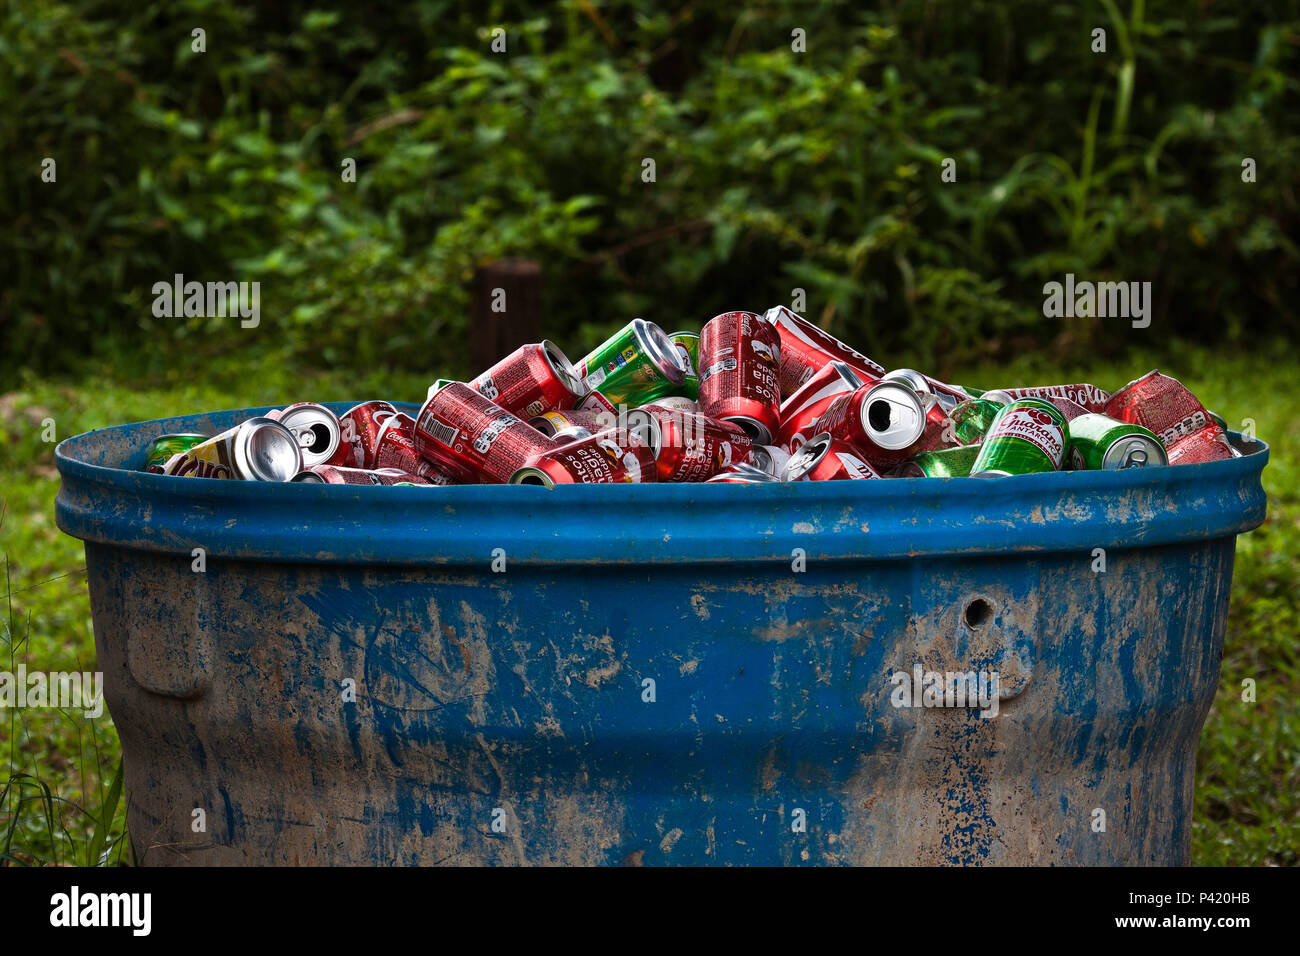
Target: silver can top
(644, 427)
(893, 414)
(910, 376)
(563, 368)
(1134, 451)
(264, 450)
(655, 342)
(317, 430)
(806, 458)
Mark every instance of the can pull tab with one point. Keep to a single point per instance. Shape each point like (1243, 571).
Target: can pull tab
(1136, 458)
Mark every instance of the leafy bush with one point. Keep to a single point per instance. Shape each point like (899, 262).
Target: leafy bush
(774, 169)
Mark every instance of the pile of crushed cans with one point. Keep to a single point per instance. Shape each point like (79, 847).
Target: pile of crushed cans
(750, 399)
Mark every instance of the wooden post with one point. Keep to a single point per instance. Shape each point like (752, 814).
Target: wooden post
(506, 311)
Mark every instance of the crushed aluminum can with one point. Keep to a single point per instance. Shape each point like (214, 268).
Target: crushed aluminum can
(474, 440)
(603, 458)
(338, 475)
(826, 458)
(258, 449)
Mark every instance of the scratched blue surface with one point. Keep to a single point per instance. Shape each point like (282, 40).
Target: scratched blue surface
(522, 693)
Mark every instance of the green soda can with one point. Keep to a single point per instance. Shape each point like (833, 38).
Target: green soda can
(972, 392)
(637, 365)
(1099, 442)
(688, 346)
(971, 419)
(942, 463)
(164, 446)
(438, 385)
(1027, 436)
(1218, 419)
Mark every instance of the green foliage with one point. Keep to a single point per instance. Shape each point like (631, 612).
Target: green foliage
(775, 169)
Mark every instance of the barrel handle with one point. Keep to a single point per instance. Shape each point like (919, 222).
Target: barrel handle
(167, 652)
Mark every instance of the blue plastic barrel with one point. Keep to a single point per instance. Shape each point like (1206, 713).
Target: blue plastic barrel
(656, 674)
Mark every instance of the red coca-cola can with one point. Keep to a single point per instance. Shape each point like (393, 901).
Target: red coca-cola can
(531, 380)
(359, 429)
(604, 458)
(805, 349)
(395, 448)
(799, 412)
(1206, 444)
(1165, 406)
(825, 458)
(337, 475)
(740, 357)
(1091, 397)
(473, 439)
(688, 446)
(888, 422)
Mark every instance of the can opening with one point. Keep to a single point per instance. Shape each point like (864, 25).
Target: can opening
(642, 426)
(879, 415)
(315, 438)
(528, 475)
(563, 368)
(661, 350)
(978, 613)
(755, 429)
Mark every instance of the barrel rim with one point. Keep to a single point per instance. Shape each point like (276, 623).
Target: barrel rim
(673, 523)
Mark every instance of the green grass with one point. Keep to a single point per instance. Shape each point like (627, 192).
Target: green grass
(61, 767)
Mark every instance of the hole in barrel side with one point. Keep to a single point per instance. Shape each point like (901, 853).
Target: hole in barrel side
(977, 614)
